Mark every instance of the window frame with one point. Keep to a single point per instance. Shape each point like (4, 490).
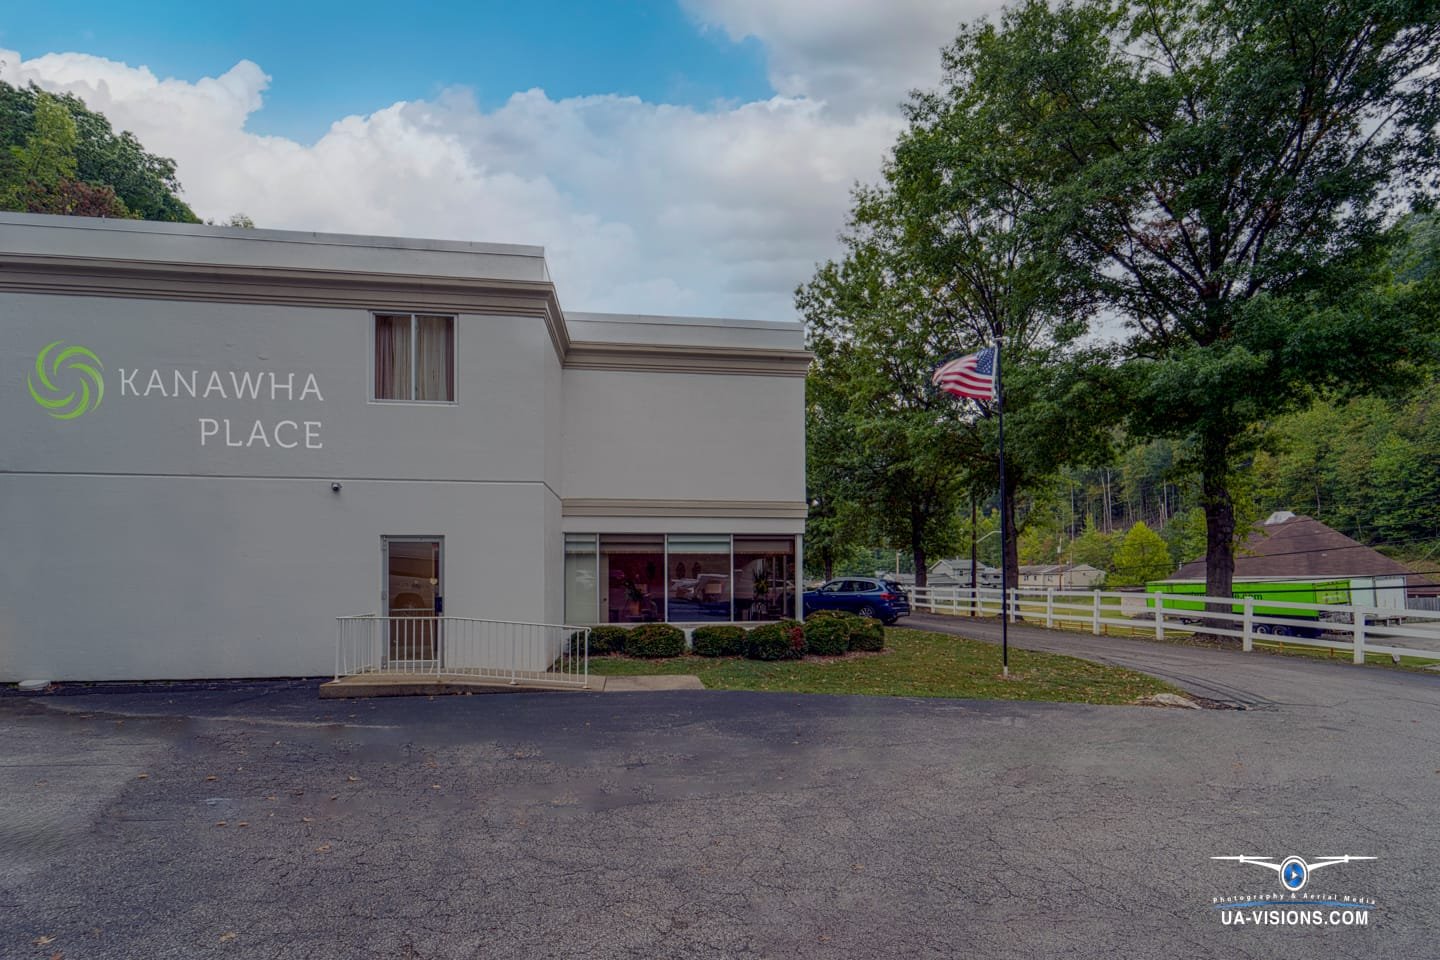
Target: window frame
(414, 316)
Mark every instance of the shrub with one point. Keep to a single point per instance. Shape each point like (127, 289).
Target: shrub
(869, 635)
(607, 639)
(719, 641)
(829, 635)
(655, 640)
(776, 641)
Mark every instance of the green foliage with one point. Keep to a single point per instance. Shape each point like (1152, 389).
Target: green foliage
(1240, 236)
(784, 640)
(1093, 547)
(827, 632)
(606, 639)
(869, 636)
(1141, 557)
(58, 156)
(719, 641)
(655, 640)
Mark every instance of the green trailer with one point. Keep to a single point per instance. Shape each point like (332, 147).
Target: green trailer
(1289, 591)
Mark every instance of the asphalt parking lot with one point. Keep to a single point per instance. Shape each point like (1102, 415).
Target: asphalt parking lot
(253, 820)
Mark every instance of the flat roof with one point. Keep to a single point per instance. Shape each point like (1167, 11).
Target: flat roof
(62, 240)
(151, 241)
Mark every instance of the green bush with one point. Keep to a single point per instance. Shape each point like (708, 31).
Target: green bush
(655, 640)
(606, 639)
(776, 641)
(718, 641)
(827, 634)
(869, 635)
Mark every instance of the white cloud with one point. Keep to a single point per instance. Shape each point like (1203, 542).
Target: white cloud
(641, 207)
(855, 55)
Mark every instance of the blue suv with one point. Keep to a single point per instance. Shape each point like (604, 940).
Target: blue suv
(885, 600)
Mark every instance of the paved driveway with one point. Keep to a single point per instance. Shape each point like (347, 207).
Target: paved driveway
(705, 824)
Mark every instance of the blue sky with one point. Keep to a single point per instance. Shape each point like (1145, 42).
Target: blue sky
(686, 156)
(328, 60)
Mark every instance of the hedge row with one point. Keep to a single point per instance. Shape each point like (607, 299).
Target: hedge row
(827, 633)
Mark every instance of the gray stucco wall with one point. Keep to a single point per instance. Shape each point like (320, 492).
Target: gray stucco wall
(149, 538)
(643, 435)
(135, 549)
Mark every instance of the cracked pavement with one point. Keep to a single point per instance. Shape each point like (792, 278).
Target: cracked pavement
(709, 824)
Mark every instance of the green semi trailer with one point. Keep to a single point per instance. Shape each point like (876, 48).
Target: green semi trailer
(1290, 591)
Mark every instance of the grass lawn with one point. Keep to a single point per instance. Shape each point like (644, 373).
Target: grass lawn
(915, 663)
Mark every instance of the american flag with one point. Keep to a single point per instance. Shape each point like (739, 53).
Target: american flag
(972, 376)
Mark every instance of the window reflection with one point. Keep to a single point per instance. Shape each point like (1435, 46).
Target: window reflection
(699, 587)
(631, 568)
(764, 578)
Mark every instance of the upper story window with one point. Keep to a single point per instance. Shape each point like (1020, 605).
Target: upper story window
(414, 357)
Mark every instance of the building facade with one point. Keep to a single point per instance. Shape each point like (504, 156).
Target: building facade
(218, 440)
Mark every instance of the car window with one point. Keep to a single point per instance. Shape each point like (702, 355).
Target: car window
(833, 586)
(861, 586)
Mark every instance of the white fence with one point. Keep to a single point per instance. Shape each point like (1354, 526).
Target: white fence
(462, 647)
(1356, 629)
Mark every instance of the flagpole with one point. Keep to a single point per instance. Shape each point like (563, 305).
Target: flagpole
(1004, 575)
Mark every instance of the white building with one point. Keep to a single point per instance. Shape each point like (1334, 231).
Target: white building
(218, 440)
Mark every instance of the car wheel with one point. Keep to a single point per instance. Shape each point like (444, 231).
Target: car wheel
(1282, 632)
(1263, 629)
(866, 611)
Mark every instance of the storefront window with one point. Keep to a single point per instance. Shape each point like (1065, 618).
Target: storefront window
(582, 582)
(764, 578)
(699, 579)
(632, 569)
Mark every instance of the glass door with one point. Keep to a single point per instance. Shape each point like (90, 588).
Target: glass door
(414, 598)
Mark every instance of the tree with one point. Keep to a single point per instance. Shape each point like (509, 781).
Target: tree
(58, 156)
(941, 260)
(1141, 557)
(835, 524)
(886, 432)
(1229, 175)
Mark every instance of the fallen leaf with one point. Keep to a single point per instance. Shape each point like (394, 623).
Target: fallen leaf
(436, 786)
(228, 936)
(43, 940)
(219, 823)
(143, 776)
(352, 779)
(323, 848)
(57, 955)
(269, 798)
(242, 823)
(307, 819)
(211, 777)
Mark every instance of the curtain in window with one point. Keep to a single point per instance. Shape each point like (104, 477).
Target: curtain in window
(435, 358)
(392, 357)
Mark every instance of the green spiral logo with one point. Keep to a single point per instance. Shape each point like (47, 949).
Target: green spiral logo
(68, 364)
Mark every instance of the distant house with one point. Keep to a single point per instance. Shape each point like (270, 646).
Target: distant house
(1060, 576)
(951, 573)
(1287, 547)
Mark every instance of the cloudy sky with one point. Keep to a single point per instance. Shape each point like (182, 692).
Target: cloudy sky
(672, 156)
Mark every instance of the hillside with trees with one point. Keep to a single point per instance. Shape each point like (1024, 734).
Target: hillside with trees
(1203, 233)
(57, 156)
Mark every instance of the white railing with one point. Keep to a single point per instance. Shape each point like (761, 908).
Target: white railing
(1359, 630)
(463, 648)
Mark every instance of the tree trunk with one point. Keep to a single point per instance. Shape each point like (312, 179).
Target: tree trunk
(829, 567)
(1219, 518)
(1011, 557)
(917, 546)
